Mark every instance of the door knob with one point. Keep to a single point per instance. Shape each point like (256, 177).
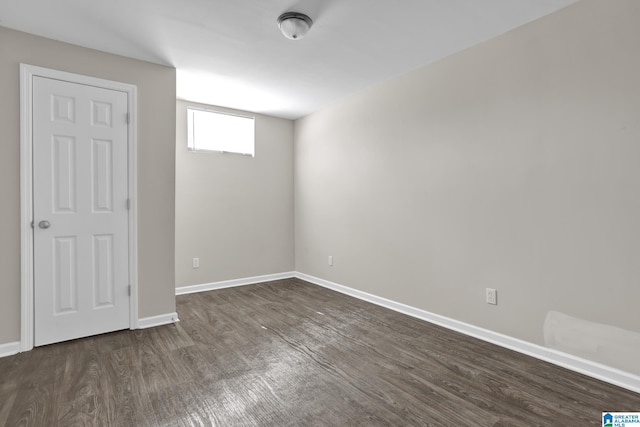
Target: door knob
(44, 224)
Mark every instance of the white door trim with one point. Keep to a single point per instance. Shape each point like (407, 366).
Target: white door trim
(27, 73)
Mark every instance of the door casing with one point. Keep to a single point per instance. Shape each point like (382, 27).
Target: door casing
(27, 72)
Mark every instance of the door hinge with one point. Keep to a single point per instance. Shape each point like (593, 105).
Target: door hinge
(33, 225)
(129, 290)
(128, 118)
(128, 204)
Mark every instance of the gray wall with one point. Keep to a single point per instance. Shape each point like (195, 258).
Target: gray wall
(156, 165)
(234, 212)
(511, 165)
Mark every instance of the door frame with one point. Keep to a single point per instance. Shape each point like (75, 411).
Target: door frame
(27, 73)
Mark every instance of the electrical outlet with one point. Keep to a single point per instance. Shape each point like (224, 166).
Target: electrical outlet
(492, 296)
(196, 263)
(330, 260)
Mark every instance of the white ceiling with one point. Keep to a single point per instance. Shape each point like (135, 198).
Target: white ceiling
(231, 53)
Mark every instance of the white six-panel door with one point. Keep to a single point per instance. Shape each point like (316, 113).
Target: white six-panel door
(80, 192)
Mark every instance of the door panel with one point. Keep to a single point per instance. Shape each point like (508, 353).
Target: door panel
(65, 283)
(102, 191)
(103, 285)
(80, 191)
(63, 179)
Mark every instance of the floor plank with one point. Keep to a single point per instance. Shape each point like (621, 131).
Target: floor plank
(288, 353)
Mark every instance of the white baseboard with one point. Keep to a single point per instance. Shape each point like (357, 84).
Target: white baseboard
(233, 283)
(163, 319)
(9, 349)
(587, 367)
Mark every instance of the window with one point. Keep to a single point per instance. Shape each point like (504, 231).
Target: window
(215, 131)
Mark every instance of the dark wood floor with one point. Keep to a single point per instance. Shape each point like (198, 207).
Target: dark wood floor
(288, 353)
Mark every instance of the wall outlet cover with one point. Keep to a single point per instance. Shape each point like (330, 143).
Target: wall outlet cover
(492, 296)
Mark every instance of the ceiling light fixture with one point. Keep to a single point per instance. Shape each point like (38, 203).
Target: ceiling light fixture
(294, 25)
